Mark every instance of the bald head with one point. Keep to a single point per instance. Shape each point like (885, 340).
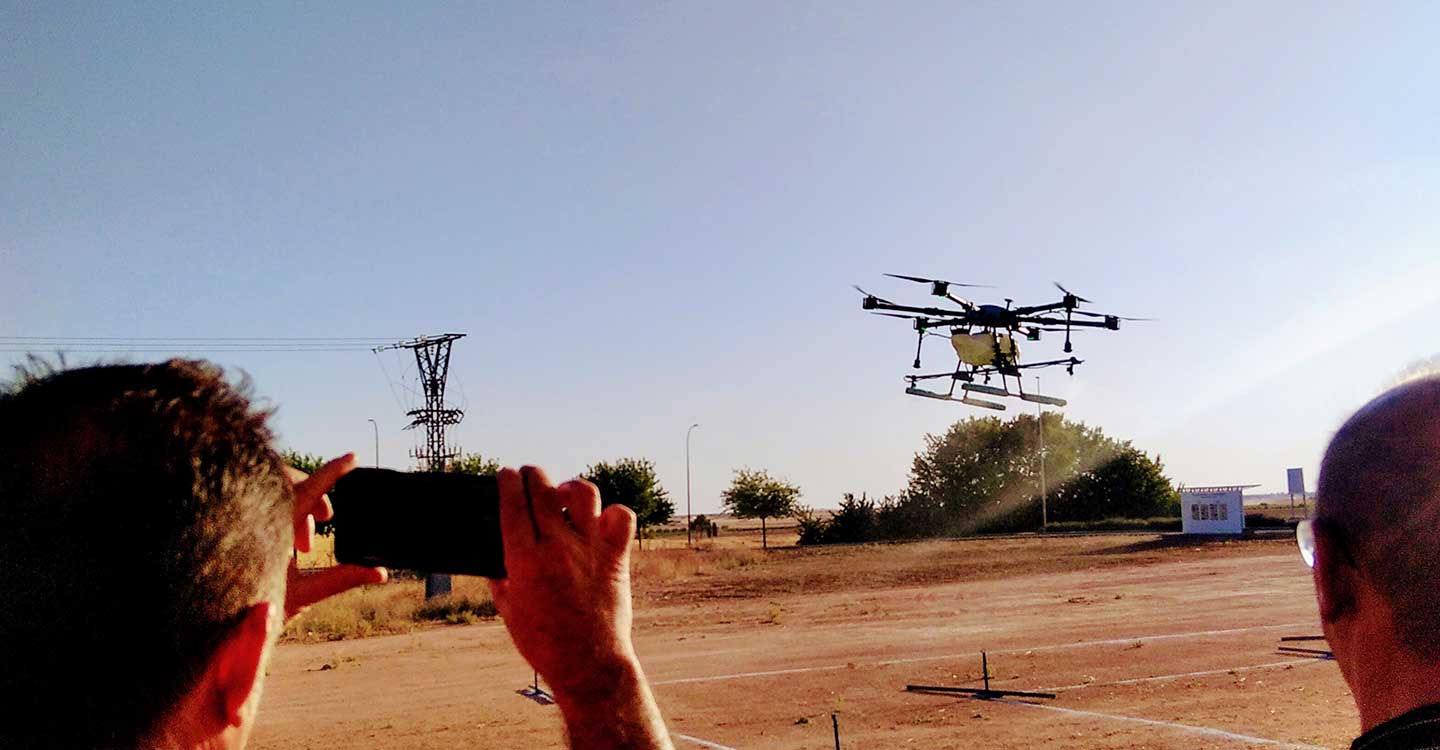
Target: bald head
(1380, 487)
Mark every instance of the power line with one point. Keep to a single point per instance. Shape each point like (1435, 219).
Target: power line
(188, 344)
(172, 350)
(378, 339)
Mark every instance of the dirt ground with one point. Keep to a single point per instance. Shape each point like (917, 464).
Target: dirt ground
(1149, 642)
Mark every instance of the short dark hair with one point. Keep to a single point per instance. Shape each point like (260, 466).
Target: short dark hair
(1380, 486)
(142, 511)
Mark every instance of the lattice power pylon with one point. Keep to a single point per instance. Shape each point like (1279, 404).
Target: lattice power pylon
(432, 358)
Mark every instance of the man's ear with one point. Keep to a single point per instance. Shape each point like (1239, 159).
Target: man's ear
(1335, 576)
(235, 670)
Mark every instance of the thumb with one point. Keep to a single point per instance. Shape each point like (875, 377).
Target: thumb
(312, 587)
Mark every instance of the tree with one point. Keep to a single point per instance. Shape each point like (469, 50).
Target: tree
(473, 463)
(854, 522)
(306, 462)
(755, 494)
(632, 482)
(983, 474)
(1127, 484)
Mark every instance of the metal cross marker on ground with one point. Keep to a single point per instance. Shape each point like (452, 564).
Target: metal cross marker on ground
(1319, 653)
(983, 693)
(536, 693)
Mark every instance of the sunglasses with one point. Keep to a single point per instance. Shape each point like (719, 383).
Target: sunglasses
(1334, 534)
(1305, 539)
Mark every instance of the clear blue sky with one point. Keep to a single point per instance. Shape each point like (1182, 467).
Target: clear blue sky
(649, 215)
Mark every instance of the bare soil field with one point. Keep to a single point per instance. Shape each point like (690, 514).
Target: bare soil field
(1149, 642)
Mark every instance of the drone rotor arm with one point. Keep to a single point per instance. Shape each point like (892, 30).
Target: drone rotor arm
(1037, 309)
(961, 301)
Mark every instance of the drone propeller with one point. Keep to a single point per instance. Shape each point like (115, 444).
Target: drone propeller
(921, 280)
(941, 288)
(1069, 293)
(867, 294)
(1103, 315)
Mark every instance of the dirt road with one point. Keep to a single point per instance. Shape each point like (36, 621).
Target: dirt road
(1148, 645)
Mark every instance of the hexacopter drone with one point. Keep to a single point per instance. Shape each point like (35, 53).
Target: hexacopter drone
(983, 337)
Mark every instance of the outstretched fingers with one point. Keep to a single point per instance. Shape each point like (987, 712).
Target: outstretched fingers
(581, 501)
(519, 526)
(310, 492)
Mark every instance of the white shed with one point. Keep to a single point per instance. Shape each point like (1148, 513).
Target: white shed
(1213, 510)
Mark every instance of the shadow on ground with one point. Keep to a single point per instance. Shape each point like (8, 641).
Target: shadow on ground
(1167, 542)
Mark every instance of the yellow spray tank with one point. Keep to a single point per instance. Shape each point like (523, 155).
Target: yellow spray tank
(978, 349)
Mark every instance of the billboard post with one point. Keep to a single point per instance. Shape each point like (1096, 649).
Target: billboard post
(1295, 478)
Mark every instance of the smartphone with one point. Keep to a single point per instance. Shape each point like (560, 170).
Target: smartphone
(434, 523)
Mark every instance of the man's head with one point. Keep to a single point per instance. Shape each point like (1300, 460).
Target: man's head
(145, 524)
(1377, 529)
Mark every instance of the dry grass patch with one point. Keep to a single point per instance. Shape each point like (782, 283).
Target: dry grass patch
(650, 566)
(321, 554)
(395, 607)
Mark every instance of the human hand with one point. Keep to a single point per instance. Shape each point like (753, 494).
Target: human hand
(566, 595)
(566, 603)
(311, 505)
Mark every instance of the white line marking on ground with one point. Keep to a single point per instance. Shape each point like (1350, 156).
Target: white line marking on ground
(703, 743)
(1190, 728)
(945, 657)
(744, 675)
(1182, 675)
(1161, 637)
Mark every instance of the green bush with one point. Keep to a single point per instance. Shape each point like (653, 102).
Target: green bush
(1119, 524)
(811, 529)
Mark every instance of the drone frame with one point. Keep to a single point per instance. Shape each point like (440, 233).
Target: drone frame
(1027, 319)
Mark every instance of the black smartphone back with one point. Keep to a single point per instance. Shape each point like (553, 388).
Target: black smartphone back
(435, 523)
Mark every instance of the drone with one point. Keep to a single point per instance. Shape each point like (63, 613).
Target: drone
(984, 338)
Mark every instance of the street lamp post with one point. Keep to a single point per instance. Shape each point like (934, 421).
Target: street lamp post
(687, 483)
(1040, 426)
(377, 441)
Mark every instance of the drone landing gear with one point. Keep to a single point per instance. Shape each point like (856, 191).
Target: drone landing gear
(1036, 398)
(988, 390)
(981, 403)
(913, 390)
